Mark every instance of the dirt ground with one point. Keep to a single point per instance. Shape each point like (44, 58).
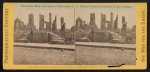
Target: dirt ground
(23, 55)
(104, 56)
(84, 56)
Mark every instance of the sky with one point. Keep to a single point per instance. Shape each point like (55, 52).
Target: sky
(70, 14)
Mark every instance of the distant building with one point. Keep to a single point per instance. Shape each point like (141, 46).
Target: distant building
(80, 28)
(63, 27)
(54, 25)
(19, 25)
(116, 24)
(92, 23)
(41, 22)
(30, 25)
(105, 24)
(79, 22)
(110, 23)
(103, 20)
(48, 27)
(124, 24)
(44, 25)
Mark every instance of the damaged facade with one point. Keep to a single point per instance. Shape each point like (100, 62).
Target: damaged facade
(80, 31)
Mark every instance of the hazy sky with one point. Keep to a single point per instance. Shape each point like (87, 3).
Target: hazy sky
(84, 14)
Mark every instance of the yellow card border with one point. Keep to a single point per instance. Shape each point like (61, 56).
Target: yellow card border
(141, 43)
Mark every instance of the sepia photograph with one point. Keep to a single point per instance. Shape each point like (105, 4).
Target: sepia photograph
(75, 36)
(105, 37)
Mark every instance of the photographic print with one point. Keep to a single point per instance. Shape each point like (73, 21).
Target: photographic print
(75, 35)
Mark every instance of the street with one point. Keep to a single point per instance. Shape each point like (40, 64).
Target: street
(81, 55)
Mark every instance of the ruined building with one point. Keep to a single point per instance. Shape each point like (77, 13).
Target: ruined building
(30, 25)
(63, 27)
(50, 22)
(80, 28)
(81, 25)
(19, 25)
(103, 20)
(105, 24)
(54, 25)
(92, 23)
(116, 24)
(41, 22)
(79, 22)
(44, 25)
(124, 24)
(110, 24)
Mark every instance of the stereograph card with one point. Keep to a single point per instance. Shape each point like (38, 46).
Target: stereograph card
(75, 36)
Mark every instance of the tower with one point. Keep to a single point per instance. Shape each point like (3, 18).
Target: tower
(92, 18)
(103, 20)
(54, 25)
(48, 25)
(63, 27)
(110, 23)
(31, 22)
(41, 22)
(116, 23)
(124, 24)
(92, 23)
(111, 17)
(78, 23)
